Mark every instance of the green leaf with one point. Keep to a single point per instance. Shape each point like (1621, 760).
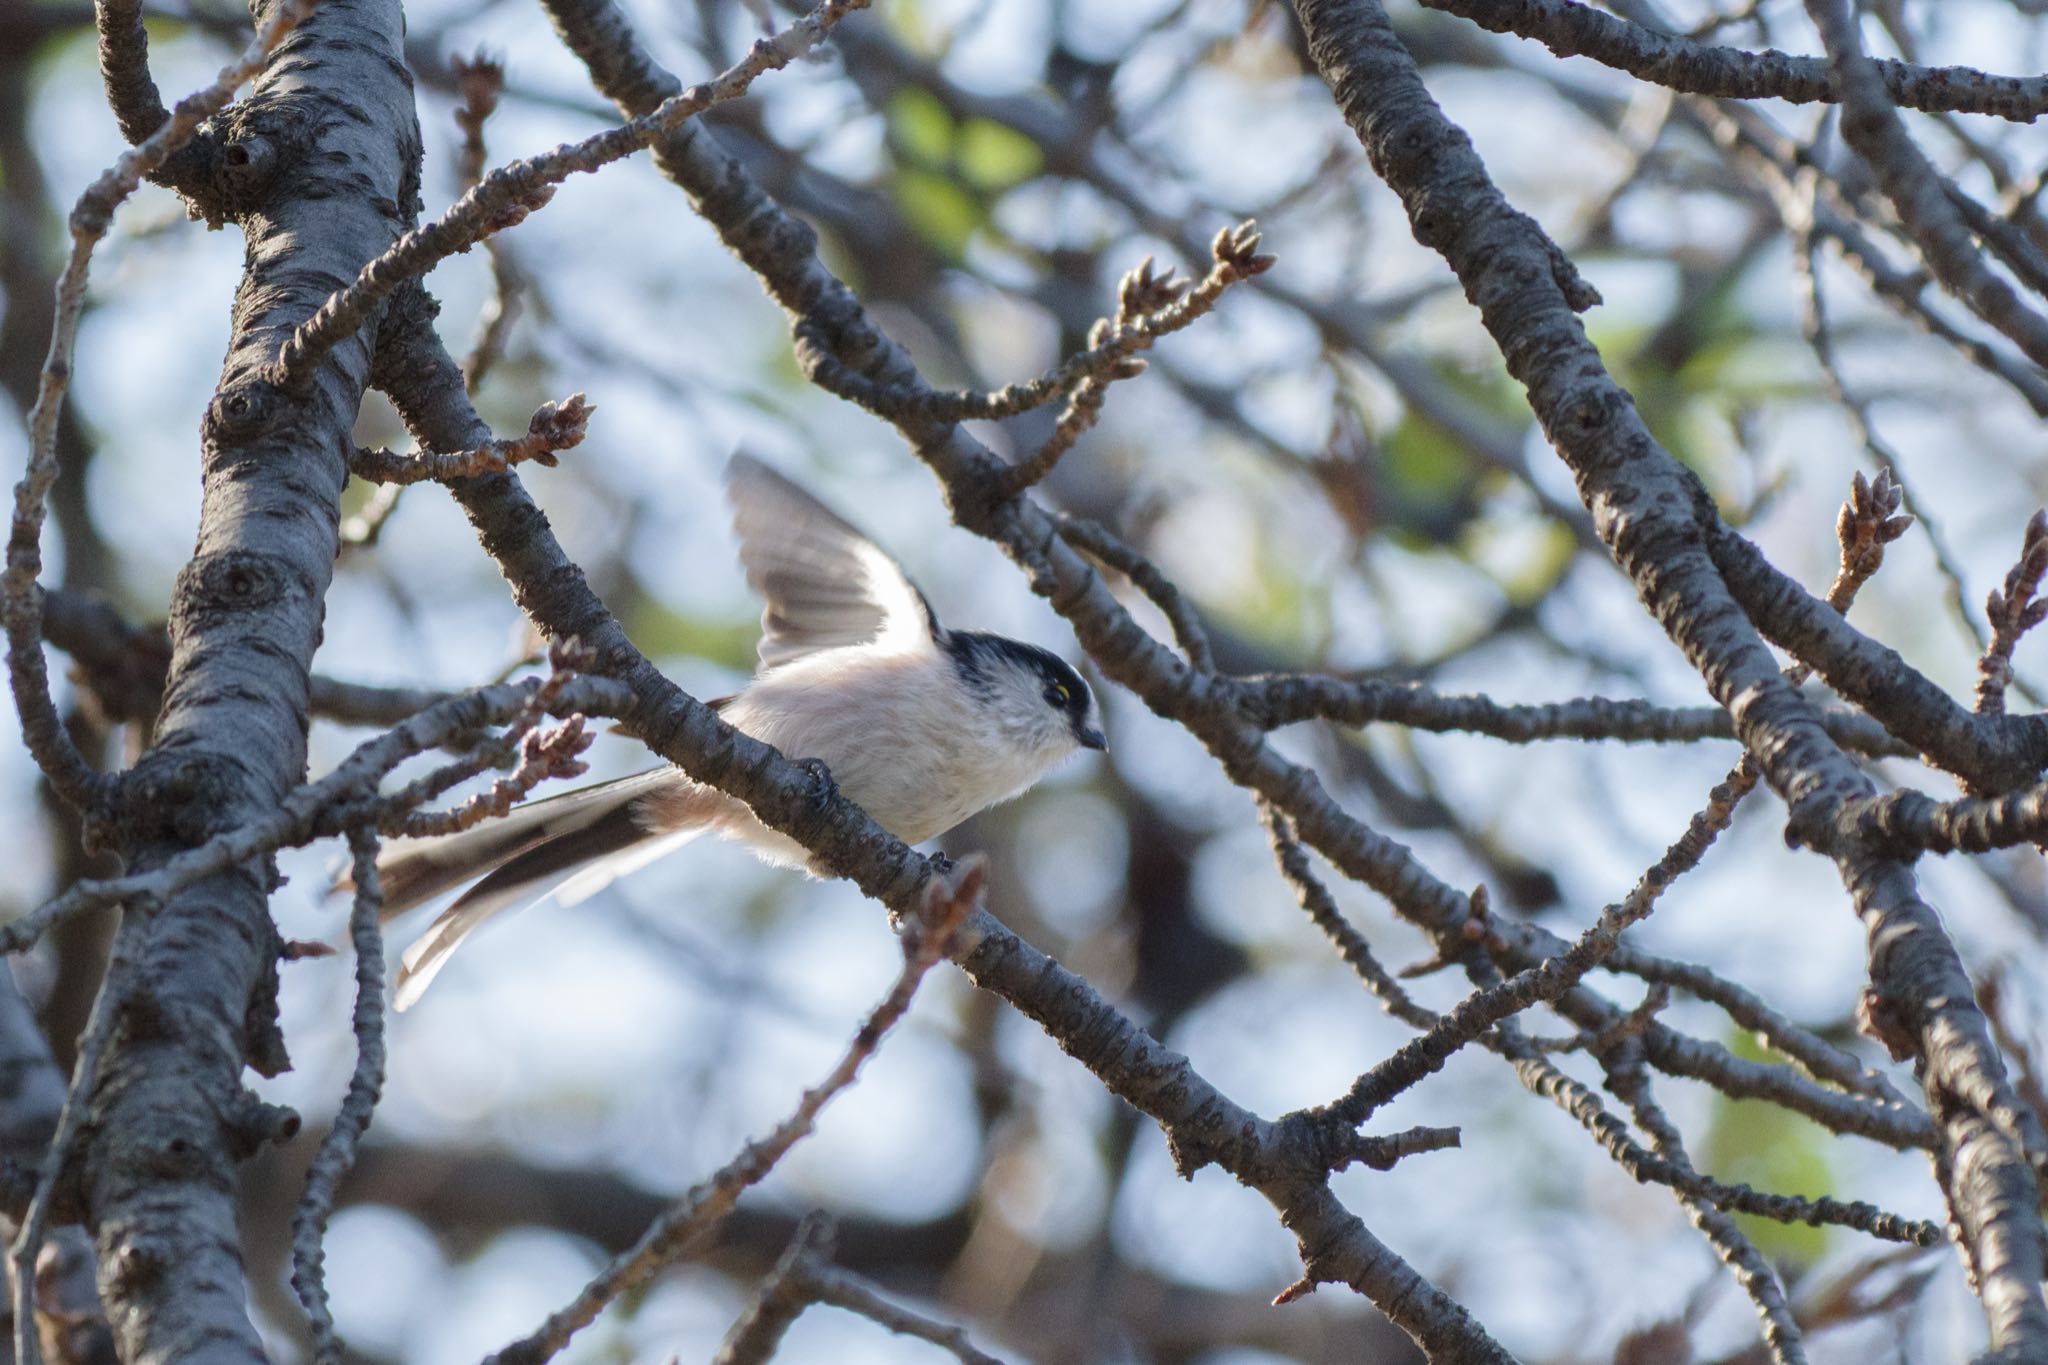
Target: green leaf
(1755, 1143)
(1528, 581)
(993, 157)
(943, 214)
(1430, 486)
(663, 633)
(920, 126)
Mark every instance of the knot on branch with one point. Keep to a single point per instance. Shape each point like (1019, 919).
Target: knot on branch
(230, 168)
(1198, 1143)
(174, 1151)
(137, 1263)
(253, 1124)
(178, 797)
(1878, 1017)
(226, 582)
(242, 410)
(244, 171)
(1311, 1144)
(1588, 408)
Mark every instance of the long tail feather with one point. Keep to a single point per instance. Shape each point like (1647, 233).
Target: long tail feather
(521, 858)
(616, 839)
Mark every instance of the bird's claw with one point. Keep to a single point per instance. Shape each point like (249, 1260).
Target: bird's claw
(943, 865)
(824, 788)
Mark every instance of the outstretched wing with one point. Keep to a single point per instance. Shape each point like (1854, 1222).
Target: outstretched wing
(825, 583)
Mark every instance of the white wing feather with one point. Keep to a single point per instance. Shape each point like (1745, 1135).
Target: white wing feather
(826, 584)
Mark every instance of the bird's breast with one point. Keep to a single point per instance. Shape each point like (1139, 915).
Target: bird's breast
(894, 733)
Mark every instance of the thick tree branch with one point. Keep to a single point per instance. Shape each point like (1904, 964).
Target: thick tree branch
(1571, 29)
(166, 1129)
(1652, 515)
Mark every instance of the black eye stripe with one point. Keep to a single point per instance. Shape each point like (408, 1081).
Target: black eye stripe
(974, 653)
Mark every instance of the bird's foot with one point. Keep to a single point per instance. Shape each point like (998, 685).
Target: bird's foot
(942, 865)
(824, 788)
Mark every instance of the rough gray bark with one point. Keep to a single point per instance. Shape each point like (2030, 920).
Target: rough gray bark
(319, 167)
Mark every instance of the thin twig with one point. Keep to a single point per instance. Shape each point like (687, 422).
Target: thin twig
(1821, 1059)
(345, 796)
(1272, 700)
(1820, 339)
(840, 1289)
(804, 1275)
(28, 1240)
(1545, 1079)
(1629, 1080)
(337, 1154)
(1322, 909)
(1093, 538)
(1545, 981)
(481, 80)
(554, 427)
(543, 756)
(504, 198)
(1682, 63)
(948, 901)
(2013, 611)
(1149, 306)
(1915, 189)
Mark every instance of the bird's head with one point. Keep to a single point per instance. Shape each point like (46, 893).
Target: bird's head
(1031, 696)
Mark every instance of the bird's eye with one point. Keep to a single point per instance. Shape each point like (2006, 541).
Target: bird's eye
(1058, 695)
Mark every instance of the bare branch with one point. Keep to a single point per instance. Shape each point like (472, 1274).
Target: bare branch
(1630, 1081)
(504, 198)
(480, 81)
(675, 1234)
(343, 797)
(1871, 125)
(2013, 612)
(338, 1146)
(805, 1275)
(28, 1237)
(554, 427)
(1274, 700)
(124, 69)
(1571, 29)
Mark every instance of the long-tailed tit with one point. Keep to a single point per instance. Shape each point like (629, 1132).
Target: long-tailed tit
(920, 725)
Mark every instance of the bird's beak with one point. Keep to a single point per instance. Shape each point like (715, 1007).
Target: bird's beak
(1092, 739)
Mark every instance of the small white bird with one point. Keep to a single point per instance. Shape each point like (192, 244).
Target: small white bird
(919, 725)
